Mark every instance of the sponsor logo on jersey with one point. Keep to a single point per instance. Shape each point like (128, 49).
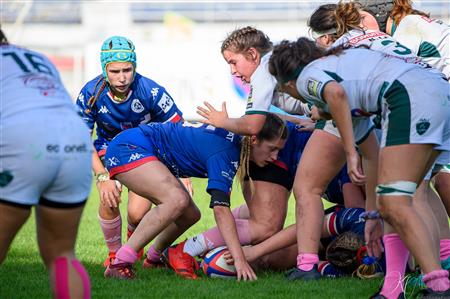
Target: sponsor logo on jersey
(422, 126)
(134, 157)
(154, 92)
(103, 109)
(146, 118)
(113, 161)
(126, 125)
(137, 106)
(250, 99)
(165, 103)
(313, 87)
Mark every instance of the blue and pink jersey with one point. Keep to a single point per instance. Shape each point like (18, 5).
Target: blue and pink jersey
(146, 102)
(187, 149)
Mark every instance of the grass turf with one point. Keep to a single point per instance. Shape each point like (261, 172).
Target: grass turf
(23, 275)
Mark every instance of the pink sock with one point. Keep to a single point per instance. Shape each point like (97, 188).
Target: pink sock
(437, 280)
(396, 258)
(62, 280)
(444, 249)
(306, 261)
(84, 278)
(112, 231)
(153, 255)
(214, 239)
(126, 254)
(61, 287)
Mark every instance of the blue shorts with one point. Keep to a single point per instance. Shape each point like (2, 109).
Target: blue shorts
(128, 150)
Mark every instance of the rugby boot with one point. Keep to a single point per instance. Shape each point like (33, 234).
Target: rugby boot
(120, 271)
(109, 259)
(297, 274)
(182, 263)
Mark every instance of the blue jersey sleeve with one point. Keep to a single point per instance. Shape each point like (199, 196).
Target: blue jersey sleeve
(164, 107)
(222, 168)
(86, 113)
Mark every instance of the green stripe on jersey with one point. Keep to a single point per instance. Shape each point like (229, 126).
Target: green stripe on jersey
(334, 76)
(427, 49)
(256, 112)
(399, 116)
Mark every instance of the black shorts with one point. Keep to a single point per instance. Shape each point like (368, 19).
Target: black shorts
(271, 173)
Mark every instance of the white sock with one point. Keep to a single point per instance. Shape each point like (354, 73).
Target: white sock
(195, 246)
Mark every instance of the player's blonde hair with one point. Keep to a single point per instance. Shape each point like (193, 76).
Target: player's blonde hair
(347, 17)
(274, 128)
(403, 8)
(242, 39)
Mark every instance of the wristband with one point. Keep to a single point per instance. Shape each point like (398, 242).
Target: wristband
(371, 215)
(103, 177)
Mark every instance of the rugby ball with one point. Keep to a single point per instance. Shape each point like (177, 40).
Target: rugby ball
(214, 264)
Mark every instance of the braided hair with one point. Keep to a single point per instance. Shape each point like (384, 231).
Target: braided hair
(240, 40)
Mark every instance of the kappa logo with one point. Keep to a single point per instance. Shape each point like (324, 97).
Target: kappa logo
(136, 106)
(422, 126)
(103, 109)
(113, 161)
(165, 103)
(313, 87)
(134, 157)
(154, 91)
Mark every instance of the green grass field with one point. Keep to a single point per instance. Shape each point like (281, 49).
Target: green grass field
(23, 275)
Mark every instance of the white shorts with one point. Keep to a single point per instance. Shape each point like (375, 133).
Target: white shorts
(45, 159)
(412, 114)
(361, 128)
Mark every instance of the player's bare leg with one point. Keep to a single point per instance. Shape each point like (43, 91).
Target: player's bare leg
(57, 231)
(11, 220)
(322, 159)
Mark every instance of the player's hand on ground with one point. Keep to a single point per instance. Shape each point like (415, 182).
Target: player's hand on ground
(373, 232)
(354, 168)
(212, 116)
(187, 182)
(109, 193)
(244, 271)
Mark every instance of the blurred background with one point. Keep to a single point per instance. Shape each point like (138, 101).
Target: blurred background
(177, 42)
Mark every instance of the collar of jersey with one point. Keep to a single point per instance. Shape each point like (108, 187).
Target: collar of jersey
(111, 96)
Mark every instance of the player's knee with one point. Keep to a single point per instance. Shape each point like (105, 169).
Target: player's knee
(304, 195)
(135, 215)
(391, 197)
(264, 232)
(180, 202)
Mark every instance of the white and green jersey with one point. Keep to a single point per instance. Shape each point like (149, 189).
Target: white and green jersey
(428, 39)
(262, 88)
(263, 93)
(414, 104)
(378, 41)
(363, 85)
